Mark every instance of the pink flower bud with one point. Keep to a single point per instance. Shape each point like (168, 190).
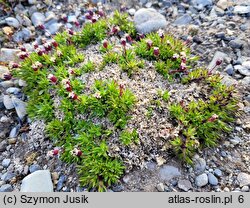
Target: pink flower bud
(52, 78)
(35, 45)
(55, 151)
(23, 49)
(71, 32)
(218, 62)
(123, 42)
(7, 76)
(71, 71)
(161, 34)
(156, 51)
(88, 16)
(54, 43)
(101, 13)
(115, 29)
(73, 96)
(183, 66)
(121, 89)
(23, 55)
(47, 46)
(65, 18)
(149, 43)
(77, 24)
(76, 152)
(105, 44)
(128, 37)
(94, 19)
(213, 118)
(41, 27)
(14, 65)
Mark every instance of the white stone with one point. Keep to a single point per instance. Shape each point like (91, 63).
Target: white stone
(13, 22)
(8, 54)
(39, 181)
(149, 20)
(20, 107)
(8, 102)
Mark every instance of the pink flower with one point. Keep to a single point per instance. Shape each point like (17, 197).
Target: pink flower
(54, 43)
(66, 85)
(40, 51)
(176, 56)
(7, 76)
(71, 71)
(213, 118)
(123, 42)
(183, 66)
(156, 51)
(23, 55)
(14, 65)
(97, 95)
(161, 34)
(149, 43)
(71, 32)
(105, 44)
(128, 37)
(76, 152)
(94, 19)
(101, 13)
(23, 49)
(121, 89)
(88, 16)
(73, 96)
(65, 18)
(77, 24)
(115, 30)
(218, 62)
(41, 27)
(35, 45)
(52, 78)
(55, 151)
(37, 65)
(47, 46)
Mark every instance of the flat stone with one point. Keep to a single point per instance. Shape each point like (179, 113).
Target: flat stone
(23, 35)
(8, 54)
(229, 70)
(54, 28)
(39, 181)
(201, 180)
(212, 179)
(7, 101)
(8, 176)
(199, 165)
(246, 81)
(160, 187)
(202, 2)
(6, 163)
(245, 189)
(7, 84)
(13, 90)
(149, 20)
(14, 132)
(3, 70)
(224, 4)
(236, 43)
(6, 188)
(183, 20)
(184, 185)
(218, 172)
(35, 167)
(242, 9)
(37, 18)
(228, 81)
(242, 70)
(13, 22)
(167, 172)
(20, 107)
(60, 182)
(244, 179)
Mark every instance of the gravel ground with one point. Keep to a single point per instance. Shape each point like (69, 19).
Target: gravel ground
(217, 30)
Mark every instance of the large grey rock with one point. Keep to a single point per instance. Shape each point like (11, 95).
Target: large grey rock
(183, 20)
(201, 180)
(149, 20)
(7, 101)
(37, 18)
(13, 22)
(6, 188)
(212, 179)
(20, 107)
(8, 54)
(167, 172)
(35, 167)
(184, 185)
(39, 181)
(242, 9)
(244, 179)
(246, 81)
(7, 84)
(13, 90)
